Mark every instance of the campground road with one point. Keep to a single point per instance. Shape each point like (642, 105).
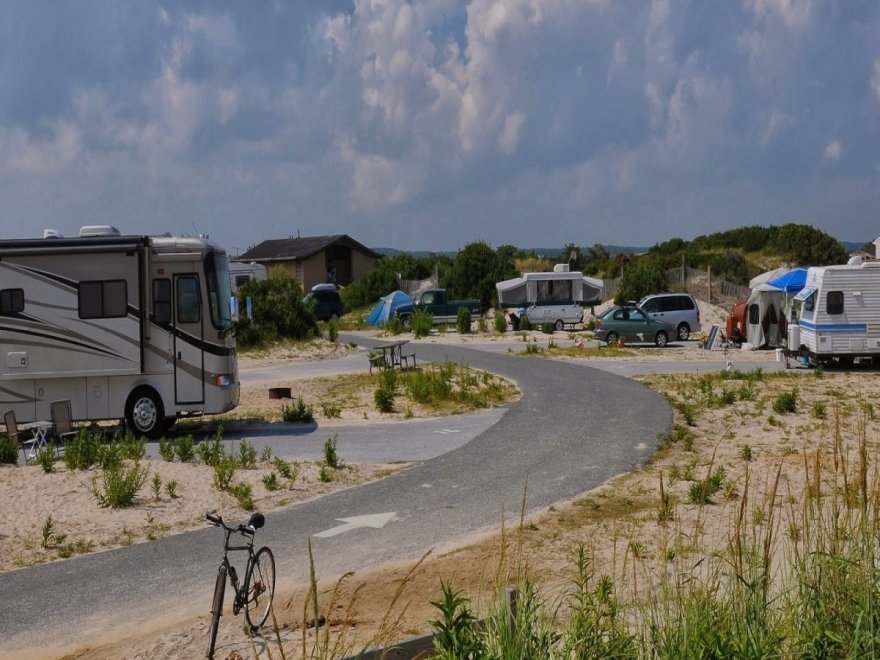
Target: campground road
(573, 428)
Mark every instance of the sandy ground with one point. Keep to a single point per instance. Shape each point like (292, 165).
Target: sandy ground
(618, 522)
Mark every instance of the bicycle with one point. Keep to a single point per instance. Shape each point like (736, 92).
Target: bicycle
(255, 594)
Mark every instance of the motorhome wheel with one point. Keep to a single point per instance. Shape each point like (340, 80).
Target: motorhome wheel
(559, 326)
(144, 413)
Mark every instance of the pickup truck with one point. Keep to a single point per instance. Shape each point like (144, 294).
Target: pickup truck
(436, 303)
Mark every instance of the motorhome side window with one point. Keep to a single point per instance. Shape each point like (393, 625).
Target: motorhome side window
(834, 302)
(11, 301)
(162, 300)
(188, 300)
(105, 299)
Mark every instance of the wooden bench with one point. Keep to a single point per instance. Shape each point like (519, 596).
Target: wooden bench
(377, 359)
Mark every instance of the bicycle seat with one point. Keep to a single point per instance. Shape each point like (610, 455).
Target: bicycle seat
(257, 520)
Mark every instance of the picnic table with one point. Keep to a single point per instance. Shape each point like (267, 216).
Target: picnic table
(388, 356)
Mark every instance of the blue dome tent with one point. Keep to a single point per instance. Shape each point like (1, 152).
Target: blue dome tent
(384, 309)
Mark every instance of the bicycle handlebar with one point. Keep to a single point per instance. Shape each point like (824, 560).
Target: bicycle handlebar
(256, 521)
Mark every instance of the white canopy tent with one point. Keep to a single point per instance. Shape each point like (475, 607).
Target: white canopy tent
(765, 316)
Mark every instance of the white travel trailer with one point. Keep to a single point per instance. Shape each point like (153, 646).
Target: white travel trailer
(241, 273)
(840, 314)
(557, 297)
(125, 327)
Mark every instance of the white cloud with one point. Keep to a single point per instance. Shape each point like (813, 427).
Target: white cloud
(58, 151)
(833, 150)
(509, 137)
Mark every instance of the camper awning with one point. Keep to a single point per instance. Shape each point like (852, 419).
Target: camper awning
(805, 293)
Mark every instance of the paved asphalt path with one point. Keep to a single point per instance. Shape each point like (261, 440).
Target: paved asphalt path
(574, 428)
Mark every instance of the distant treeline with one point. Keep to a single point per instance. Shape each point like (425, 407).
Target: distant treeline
(736, 255)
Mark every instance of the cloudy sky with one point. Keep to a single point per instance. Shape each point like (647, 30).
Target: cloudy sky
(429, 124)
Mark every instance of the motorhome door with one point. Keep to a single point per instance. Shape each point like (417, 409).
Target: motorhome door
(189, 362)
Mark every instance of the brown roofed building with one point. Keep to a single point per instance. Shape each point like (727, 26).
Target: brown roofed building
(315, 259)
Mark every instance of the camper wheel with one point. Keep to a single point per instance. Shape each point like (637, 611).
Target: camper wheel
(684, 331)
(559, 326)
(144, 413)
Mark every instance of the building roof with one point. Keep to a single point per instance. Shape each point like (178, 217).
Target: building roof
(292, 249)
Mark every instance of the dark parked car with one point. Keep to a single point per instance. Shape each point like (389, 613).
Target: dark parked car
(632, 324)
(326, 301)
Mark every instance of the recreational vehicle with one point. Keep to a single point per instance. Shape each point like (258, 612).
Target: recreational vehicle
(241, 273)
(557, 297)
(840, 314)
(125, 327)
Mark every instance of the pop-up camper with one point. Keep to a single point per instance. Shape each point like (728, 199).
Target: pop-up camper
(840, 314)
(557, 297)
(133, 327)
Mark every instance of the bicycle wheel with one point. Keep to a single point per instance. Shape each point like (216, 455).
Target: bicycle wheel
(217, 607)
(259, 587)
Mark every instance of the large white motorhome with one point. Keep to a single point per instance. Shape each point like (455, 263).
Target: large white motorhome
(840, 314)
(125, 327)
(557, 297)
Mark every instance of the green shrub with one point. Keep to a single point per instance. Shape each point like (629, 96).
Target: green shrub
(8, 450)
(185, 448)
(463, 321)
(270, 481)
(46, 458)
(166, 450)
(547, 327)
(333, 330)
(818, 410)
(422, 322)
(331, 458)
(384, 399)
(210, 451)
(156, 487)
(298, 412)
(331, 410)
(393, 326)
(285, 469)
(482, 325)
(278, 311)
(131, 446)
(224, 470)
(525, 323)
(109, 455)
(81, 452)
(500, 321)
(325, 474)
(117, 486)
(171, 489)
(244, 494)
(786, 402)
(247, 455)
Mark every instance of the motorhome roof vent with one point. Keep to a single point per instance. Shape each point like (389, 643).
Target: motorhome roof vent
(855, 260)
(98, 230)
(52, 233)
(560, 268)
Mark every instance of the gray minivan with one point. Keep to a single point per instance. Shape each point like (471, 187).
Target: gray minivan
(679, 310)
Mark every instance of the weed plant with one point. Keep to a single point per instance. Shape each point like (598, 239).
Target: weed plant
(46, 458)
(786, 402)
(500, 322)
(247, 455)
(81, 452)
(300, 411)
(463, 321)
(270, 481)
(525, 324)
(393, 326)
(210, 451)
(171, 489)
(166, 450)
(8, 451)
(224, 471)
(185, 449)
(332, 330)
(331, 410)
(482, 325)
(548, 327)
(117, 486)
(156, 487)
(422, 322)
(331, 458)
(243, 494)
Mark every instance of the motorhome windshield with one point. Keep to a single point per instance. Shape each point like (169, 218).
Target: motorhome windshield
(219, 290)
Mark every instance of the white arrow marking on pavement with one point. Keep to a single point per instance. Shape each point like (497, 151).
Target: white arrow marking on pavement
(445, 431)
(374, 520)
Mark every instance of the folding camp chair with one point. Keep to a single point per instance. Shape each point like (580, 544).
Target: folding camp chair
(30, 446)
(62, 422)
